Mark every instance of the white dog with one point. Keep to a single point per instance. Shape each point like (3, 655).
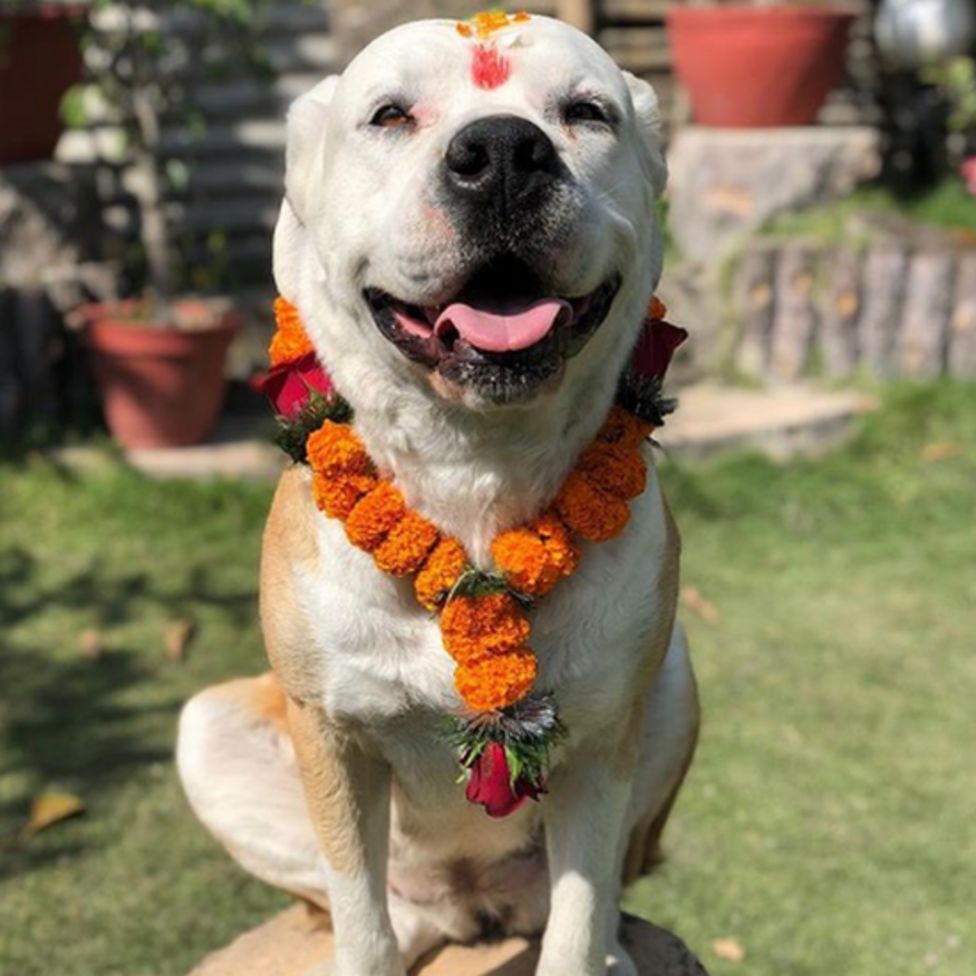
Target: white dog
(428, 183)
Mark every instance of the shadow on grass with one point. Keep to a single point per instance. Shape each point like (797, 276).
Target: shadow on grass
(74, 720)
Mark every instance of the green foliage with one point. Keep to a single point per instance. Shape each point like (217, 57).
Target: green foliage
(72, 108)
(957, 79)
(144, 63)
(292, 435)
(161, 50)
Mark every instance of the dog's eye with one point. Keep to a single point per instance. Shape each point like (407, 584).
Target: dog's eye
(585, 111)
(390, 117)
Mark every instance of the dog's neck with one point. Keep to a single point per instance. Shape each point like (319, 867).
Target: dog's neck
(475, 475)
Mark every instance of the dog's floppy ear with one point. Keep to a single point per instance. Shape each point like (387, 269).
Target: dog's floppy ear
(305, 142)
(648, 118)
(306, 122)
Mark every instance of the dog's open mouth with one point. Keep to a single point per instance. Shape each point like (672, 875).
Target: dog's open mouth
(501, 332)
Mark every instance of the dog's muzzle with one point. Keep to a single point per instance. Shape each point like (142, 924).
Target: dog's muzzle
(504, 332)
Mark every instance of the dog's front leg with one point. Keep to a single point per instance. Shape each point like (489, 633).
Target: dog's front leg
(348, 795)
(584, 816)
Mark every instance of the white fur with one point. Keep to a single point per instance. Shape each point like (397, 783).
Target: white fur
(361, 210)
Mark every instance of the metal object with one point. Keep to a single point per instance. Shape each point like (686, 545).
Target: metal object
(914, 33)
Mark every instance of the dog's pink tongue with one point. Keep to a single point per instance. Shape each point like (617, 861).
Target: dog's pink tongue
(495, 332)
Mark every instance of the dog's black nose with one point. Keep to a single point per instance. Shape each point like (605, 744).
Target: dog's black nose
(500, 161)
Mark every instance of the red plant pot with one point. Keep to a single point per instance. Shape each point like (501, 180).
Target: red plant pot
(39, 62)
(757, 67)
(162, 386)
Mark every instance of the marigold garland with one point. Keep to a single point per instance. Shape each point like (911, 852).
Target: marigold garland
(483, 615)
(482, 629)
(623, 428)
(498, 682)
(338, 496)
(477, 627)
(406, 547)
(375, 515)
(289, 341)
(589, 511)
(440, 573)
(536, 557)
(615, 469)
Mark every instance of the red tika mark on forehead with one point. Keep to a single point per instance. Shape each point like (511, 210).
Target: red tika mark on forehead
(489, 69)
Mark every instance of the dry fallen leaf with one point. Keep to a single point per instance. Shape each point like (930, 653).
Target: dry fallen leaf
(51, 807)
(729, 949)
(90, 642)
(939, 451)
(178, 635)
(692, 599)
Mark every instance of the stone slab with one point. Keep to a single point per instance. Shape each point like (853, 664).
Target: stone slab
(781, 422)
(725, 183)
(299, 938)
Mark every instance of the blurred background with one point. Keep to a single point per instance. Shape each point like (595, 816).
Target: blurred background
(820, 226)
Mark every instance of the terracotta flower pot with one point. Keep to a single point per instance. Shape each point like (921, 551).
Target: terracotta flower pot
(162, 386)
(756, 67)
(39, 62)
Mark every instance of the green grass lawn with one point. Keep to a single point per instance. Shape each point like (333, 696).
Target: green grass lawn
(827, 824)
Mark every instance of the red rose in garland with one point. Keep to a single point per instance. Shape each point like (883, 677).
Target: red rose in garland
(640, 386)
(289, 385)
(297, 386)
(656, 343)
(490, 783)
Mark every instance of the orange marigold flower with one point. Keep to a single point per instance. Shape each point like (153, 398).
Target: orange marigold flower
(496, 682)
(440, 572)
(535, 558)
(289, 341)
(559, 542)
(521, 555)
(615, 469)
(336, 449)
(474, 627)
(337, 495)
(589, 511)
(623, 428)
(375, 515)
(405, 548)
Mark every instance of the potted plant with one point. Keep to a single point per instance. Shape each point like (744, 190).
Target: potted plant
(39, 62)
(159, 357)
(759, 65)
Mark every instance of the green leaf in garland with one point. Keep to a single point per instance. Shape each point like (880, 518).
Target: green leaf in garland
(293, 434)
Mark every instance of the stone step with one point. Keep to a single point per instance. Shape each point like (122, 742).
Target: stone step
(299, 938)
(782, 423)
